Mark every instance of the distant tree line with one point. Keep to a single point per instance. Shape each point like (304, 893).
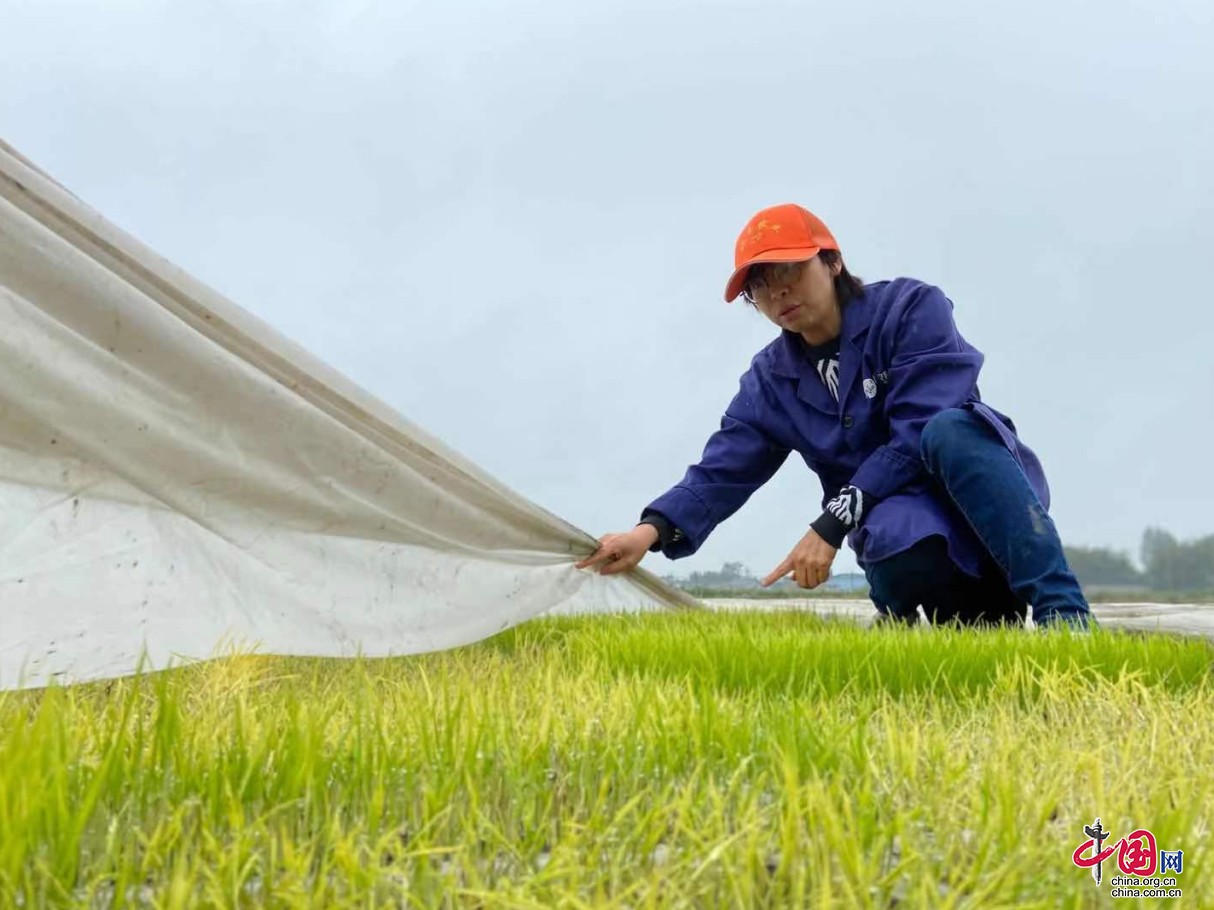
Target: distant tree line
(1097, 566)
(1167, 564)
(1177, 565)
(734, 576)
(730, 575)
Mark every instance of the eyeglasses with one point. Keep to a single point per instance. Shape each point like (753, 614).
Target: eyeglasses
(768, 274)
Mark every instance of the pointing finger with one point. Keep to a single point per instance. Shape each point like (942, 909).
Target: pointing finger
(779, 572)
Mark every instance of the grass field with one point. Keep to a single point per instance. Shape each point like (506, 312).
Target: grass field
(689, 760)
(1093, 596)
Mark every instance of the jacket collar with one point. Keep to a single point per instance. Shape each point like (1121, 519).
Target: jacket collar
(857, 317)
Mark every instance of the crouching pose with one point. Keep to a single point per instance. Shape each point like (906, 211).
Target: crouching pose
(876, 390)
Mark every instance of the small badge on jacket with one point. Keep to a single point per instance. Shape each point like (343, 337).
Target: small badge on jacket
(871, 385)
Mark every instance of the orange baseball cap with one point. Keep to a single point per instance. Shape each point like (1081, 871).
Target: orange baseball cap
(782, 233)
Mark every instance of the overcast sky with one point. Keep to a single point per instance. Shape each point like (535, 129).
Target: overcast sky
(514, 222)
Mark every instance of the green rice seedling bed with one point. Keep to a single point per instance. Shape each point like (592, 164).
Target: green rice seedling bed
(652, 761)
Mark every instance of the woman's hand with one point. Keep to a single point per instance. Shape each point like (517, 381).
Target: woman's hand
(809, 562)
(621, 552)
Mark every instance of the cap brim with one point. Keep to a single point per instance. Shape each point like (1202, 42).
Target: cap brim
(734, 286)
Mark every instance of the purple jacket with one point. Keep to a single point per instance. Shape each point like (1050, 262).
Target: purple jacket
(901, 361)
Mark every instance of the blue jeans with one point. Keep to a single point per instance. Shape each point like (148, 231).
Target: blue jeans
(1026, 564)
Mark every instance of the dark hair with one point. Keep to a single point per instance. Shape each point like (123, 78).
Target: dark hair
(847, 285)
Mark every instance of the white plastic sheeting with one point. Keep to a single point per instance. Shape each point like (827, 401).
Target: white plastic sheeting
(176, 475)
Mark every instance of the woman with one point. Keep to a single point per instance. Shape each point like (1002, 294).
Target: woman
(874, 387)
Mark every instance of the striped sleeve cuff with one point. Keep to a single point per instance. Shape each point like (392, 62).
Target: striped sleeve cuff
(841, 515)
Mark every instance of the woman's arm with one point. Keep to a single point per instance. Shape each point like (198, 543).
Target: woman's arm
(667, 533)
(841, 515)
(738, 459)
(931, 369)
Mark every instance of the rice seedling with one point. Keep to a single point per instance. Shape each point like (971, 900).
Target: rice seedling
(660, 760)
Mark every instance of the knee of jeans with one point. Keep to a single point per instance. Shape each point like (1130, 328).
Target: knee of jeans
(940, 432)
